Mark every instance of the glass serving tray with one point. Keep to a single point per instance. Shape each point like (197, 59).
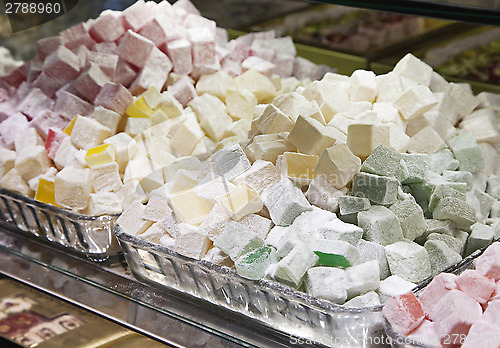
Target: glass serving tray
(303, 317)
(83, 235)
(400, 341)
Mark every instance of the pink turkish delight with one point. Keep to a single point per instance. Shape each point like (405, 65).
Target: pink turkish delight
(45, 119)
(107, 28)
(105, 47)
(454, 314)
(47, 84)
(106, 62)
(114, 97)
(33, 102)
(134, 48)
(404, 313)
(47, 45)
(124, 74)
(90, 82)
(11, 127)
(203, 46)
(77, 35)
(153, 74)
(489, 262)
(437, 288)
(62, 65)
(69, 105)
(137, 15)
(183, 90)
(158, 30)
(426, 334)
(179, 52)
(476, 285)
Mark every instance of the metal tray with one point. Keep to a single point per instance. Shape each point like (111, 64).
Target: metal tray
(398, 340)
(81, 235)
(305, 318)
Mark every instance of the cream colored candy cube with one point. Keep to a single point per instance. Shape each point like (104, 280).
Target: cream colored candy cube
(131, 220)
(212, 188)
(243, 200)
(88, 132)
(12, 181)
(298, 167)
(483, 127)
(32, 163)
(187, 136)
(106, 178)
(387, 113)
(189, 207)
(318, 91)
(240, 104)
(152, 97)
(188, 163)
(447, 106)
(130, 193)
(389, 87)
(289, 84)
(239, 129)
(170, 105)
(106, 117)
(7, 160)
(184, 180)
(268, 150)
(362, 139)
(294, 104)
(72, 187)
(159, 151)
(466, 102)
(339, 165)
(104, 203)
(341, 122)
(337, 98)
(26, 140)
(261, 175)
(273, 120)
(362, 86)
(67, 155)
(191, 243)
(427, 140)
(152, 181)
(158, 117)
(212, 114)
(310, 136)
(125, 148)
(414, 101)
(137, 169)
(136, 125)
(216, 84)
(439, 83)
(258, 84)
(156, 209)
(398, 139)
(414, 69)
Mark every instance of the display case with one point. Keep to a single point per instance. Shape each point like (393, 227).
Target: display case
(135, 296)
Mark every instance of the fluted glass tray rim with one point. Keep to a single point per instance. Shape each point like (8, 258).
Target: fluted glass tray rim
(105, 257)
(266, 284)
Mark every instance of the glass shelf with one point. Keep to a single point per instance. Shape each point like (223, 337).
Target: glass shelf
(112, 292)
(475, 11)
